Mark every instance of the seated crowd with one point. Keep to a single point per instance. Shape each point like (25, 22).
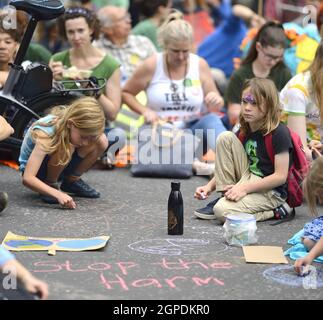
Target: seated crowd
(235, 109)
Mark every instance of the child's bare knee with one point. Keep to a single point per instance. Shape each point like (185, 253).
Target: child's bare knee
(102, 143)
(24, 181)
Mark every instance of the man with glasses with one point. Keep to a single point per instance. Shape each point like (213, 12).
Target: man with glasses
(128, 49)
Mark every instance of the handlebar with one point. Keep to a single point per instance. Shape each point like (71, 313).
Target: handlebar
(91, 86)
(38, 10)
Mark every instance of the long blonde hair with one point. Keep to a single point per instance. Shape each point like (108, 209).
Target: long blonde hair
(265, 93)
(316, 70)
(86, 114)
(313, 184)
(174, 29)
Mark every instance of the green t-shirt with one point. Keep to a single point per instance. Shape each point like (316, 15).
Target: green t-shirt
(148, 29)
(280, 74)
(37, 53)
(104, 69)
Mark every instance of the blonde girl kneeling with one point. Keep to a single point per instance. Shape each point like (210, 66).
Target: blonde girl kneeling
(62, 146)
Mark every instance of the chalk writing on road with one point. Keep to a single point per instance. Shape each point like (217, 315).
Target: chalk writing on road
(177, 247)
(123, 275)
(287, 276)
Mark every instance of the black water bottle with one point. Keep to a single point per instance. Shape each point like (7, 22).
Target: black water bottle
(175, 210)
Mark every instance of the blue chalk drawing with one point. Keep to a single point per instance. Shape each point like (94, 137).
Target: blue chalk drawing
(80, 244)
(30, 243)
(287, 276)
(175, 247)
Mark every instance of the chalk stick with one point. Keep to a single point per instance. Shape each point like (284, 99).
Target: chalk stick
(203, 195)
(305, 271)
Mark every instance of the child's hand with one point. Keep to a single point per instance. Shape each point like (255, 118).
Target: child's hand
(202, 193)
(66, 201)
(235, 192)
(316, 153)
(36, 286)
(316, 148)
(302, 263)
(316, 144)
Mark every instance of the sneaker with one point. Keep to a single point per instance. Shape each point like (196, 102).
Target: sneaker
(207, 212)
(79, 188)
(3, 200)
(50, 199)
(283, 213)
(203, 169)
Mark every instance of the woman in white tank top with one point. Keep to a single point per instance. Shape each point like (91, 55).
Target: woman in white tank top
(178, 84)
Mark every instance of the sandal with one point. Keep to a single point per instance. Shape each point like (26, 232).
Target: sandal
(107, 162)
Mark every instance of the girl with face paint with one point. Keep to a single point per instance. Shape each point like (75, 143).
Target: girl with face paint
(244, 174)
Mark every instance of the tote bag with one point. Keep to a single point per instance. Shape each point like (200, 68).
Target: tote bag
(164, 151)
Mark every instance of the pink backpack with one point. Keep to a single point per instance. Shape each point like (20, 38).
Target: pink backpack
(297, 171)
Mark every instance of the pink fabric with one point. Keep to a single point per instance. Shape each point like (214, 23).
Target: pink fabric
(272, 11)
(201, 23)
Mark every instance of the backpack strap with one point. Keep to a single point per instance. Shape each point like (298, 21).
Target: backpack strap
(269, 147)
(240, 135)
(270, 151)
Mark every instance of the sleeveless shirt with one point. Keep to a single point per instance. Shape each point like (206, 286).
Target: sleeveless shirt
(183, 104)
(28, 144)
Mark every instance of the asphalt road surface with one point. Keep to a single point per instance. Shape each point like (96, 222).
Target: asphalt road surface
(141, 261)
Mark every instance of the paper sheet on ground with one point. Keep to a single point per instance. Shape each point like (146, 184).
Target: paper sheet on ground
(14, 242)
(264, 254)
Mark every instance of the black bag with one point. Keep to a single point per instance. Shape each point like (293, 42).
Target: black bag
(164, 151)
(36, 79)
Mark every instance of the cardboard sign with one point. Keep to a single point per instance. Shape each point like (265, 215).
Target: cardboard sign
(264, 254)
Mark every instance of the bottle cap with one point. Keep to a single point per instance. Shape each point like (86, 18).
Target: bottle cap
(176, 186)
